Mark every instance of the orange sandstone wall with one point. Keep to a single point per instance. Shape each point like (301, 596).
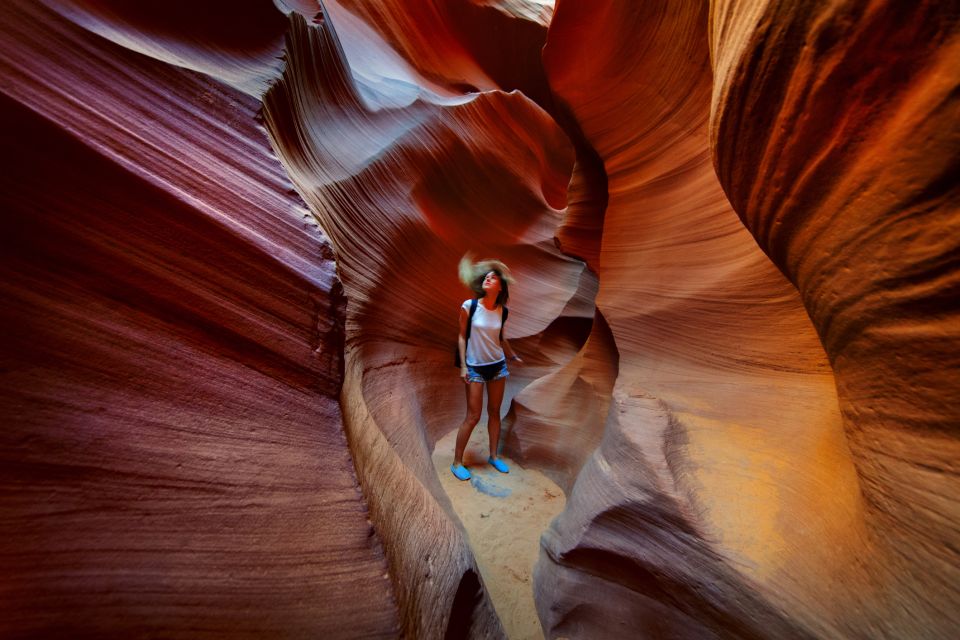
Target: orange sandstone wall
(734, 228)
(723, 452)
(852, 139)
(750, 481)
(406, 176)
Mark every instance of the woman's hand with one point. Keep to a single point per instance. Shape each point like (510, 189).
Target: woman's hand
(515, 359)
(463, 373)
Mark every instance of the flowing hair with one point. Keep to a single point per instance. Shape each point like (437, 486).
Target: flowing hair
(472, 275)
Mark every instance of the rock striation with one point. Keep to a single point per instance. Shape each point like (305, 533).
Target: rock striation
(854, 196)
(405, 182)
(173, 461)
(737, 446)
(734, 227)
(723, 449)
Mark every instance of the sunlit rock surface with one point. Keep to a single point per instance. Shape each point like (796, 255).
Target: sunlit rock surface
(734, 227)
(723, 451)
(752, 482)
(404, 189)
(853, 192)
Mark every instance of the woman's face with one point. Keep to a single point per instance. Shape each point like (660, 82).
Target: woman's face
(491, 283)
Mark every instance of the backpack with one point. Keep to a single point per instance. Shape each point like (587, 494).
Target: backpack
(466, 338)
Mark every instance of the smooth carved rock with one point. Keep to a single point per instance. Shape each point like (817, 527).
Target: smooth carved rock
(734, 227)
(405, 188)
(173, 462)
(852, 141)
(750, 482)
(476, 45)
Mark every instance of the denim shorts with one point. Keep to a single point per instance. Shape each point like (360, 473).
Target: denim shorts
(487, 372)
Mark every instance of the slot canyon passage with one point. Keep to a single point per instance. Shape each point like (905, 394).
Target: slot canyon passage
(230, 244)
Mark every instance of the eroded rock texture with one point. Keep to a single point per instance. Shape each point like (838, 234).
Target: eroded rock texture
(752, 482)
(723, 453)
(406, 175)
(854, 196)
(173, 461)
(734, 227)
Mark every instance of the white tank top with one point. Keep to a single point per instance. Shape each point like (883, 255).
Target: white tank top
(483, 347)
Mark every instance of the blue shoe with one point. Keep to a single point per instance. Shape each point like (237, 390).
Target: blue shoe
(499, 465)
(460, 471)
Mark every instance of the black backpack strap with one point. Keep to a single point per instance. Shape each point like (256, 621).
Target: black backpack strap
(473, 310)
(466, 335)
(503, 321)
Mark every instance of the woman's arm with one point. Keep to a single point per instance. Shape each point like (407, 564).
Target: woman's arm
(509, 352)
(462, 342)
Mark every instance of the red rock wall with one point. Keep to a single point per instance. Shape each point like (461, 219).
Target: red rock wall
(751, 481)
(724, 434)
(733, 227)
(424, 178)
(173, 462)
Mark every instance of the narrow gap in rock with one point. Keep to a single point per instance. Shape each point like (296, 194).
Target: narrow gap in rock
(504, 516)
(464, 603)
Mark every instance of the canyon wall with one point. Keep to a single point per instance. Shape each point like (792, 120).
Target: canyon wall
(734, 228)
(173, 461)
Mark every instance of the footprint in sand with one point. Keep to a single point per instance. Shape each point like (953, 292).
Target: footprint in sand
(504, 516)
(485, 484)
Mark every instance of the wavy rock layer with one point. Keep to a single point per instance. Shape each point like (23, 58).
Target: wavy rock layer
(854, 195)
(723, 449)
(406, 179)
(751, 482)
(173, 460)
(734, 228)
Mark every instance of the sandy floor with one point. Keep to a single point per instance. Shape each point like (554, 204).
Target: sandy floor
(504, 515)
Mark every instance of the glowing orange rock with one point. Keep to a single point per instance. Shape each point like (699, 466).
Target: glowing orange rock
(734, 228)
(741, 485)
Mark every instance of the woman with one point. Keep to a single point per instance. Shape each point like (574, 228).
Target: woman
(483, 355)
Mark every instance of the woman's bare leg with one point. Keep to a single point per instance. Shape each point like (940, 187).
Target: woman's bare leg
(494, 399)
(474, 407)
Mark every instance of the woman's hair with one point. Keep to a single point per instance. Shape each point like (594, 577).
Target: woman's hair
(472, 275)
